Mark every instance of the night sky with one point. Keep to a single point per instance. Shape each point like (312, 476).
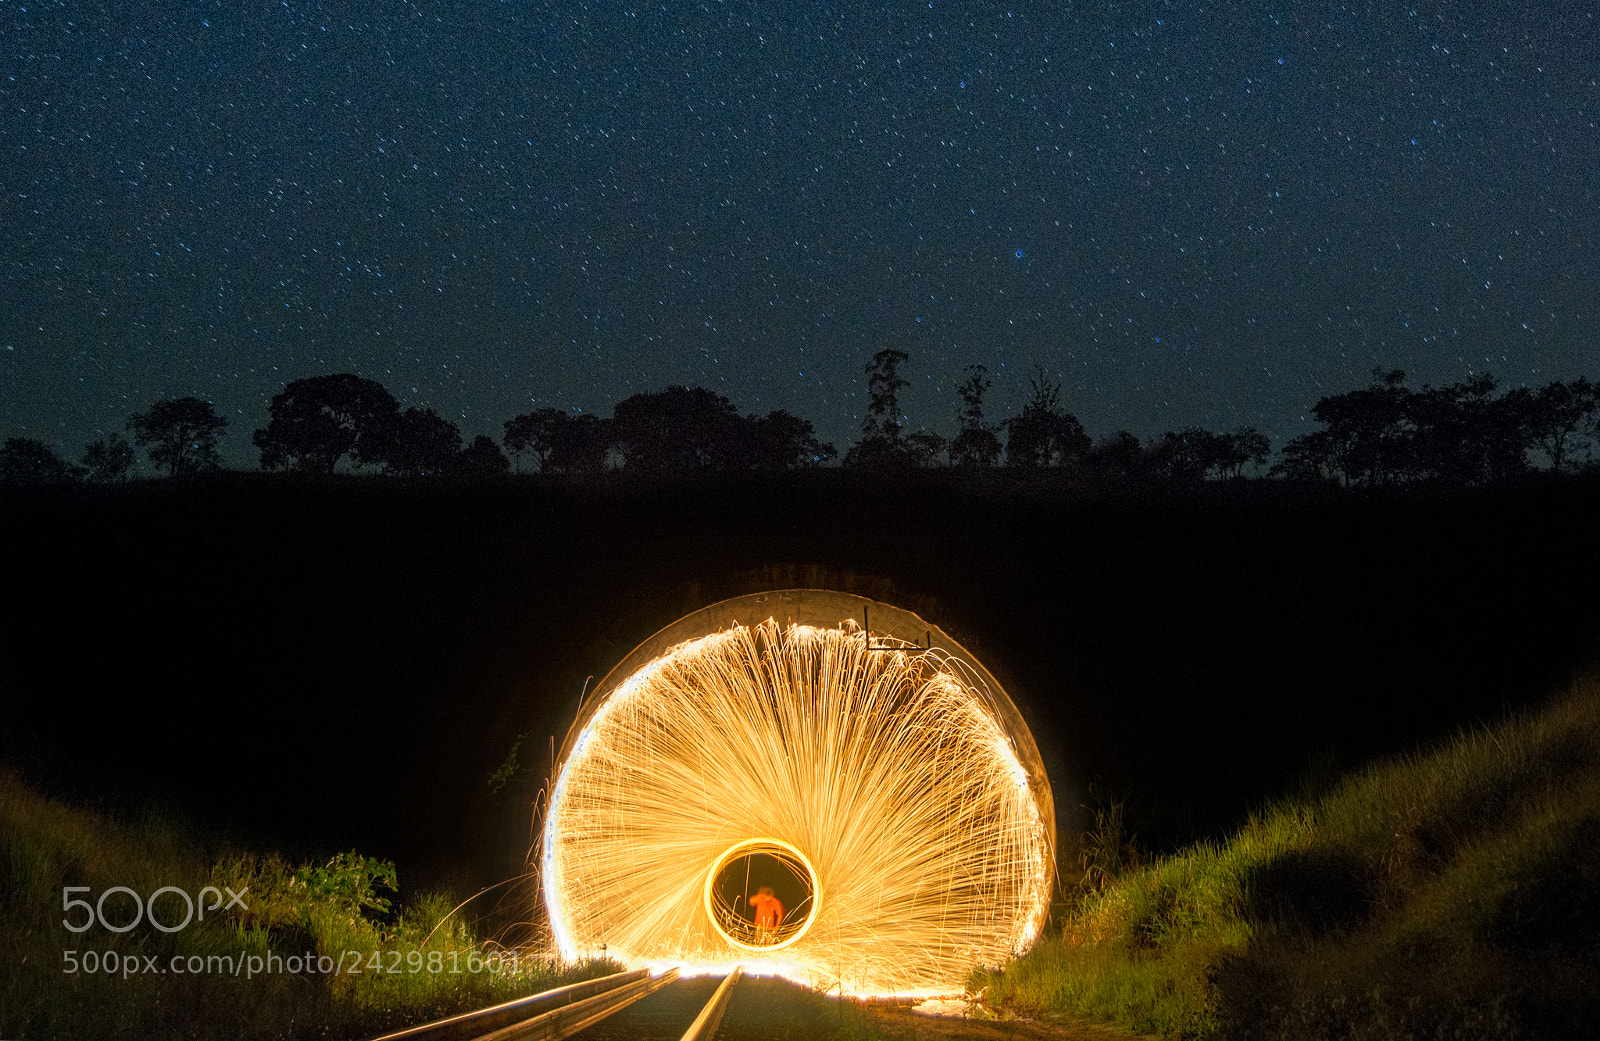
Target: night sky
(1186, 213)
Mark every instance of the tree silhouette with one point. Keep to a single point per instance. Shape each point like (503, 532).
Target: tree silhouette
(1309, 457)
(1195, 454)
(1184, 455)
(1558, 417)
(108, 459)
(1121, 454)
(180, 434)
(423, 444)
(881, 452)
(483, 458)
(677, 430)
(1246, 446)
(781, 441)
(582, 446)
(1463, 435)
(1458, 434)
(1043, 434)
(535, 434)
(923, 448)
(884, 385)
(881, 445)
(976, 445)
(26, 461)
(319, 420)
(561, 443)
(1368, 435)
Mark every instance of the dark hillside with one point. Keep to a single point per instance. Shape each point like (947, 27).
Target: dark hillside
(327, 665)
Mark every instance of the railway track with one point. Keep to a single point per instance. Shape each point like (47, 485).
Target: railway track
(633, 1006)
(566, 1011)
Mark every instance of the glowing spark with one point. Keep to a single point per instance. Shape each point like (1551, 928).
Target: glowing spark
(885, 780)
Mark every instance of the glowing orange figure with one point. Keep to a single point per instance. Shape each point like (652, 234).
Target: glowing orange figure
(769, 914)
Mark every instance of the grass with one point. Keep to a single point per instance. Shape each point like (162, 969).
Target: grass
(342, 911)
(1453, 893)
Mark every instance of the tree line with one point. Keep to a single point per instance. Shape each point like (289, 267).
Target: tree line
(1463, 433)
(1386, 433)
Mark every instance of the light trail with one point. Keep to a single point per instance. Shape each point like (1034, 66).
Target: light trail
(925, 840)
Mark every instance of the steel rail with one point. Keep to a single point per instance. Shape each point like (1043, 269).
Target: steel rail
(704, 1027)
(537, 1015)
(569, 1019)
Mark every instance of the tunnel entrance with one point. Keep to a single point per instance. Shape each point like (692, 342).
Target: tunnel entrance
(843, 752)
(742, 882)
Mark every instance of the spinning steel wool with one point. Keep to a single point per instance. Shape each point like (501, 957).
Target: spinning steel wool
(886, 795)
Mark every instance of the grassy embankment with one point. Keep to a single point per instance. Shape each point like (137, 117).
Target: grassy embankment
(417, 960)
(1453, 893)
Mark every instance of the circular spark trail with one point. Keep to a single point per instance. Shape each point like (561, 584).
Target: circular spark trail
(726, 911)
(890, 772)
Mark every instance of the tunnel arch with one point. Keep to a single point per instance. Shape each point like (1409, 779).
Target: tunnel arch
(844, 734)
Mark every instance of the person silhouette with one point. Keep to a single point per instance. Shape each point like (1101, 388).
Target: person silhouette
(769, 915)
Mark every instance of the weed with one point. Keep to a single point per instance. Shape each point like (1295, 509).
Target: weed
(418, 961)
(1446, 894)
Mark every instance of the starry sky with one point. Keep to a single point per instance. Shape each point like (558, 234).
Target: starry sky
(1184, 212)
